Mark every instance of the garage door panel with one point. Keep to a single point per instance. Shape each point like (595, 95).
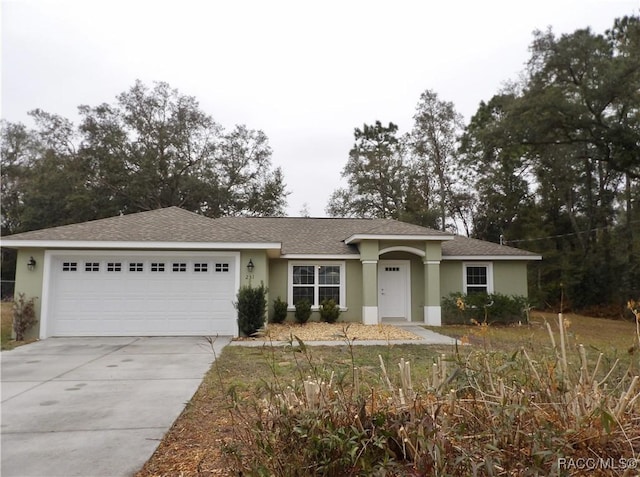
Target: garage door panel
(151, 325)
(188, 298)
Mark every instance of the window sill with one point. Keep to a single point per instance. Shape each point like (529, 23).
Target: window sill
(317, 308)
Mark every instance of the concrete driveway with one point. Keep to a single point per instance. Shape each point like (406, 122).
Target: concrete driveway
(95, 406)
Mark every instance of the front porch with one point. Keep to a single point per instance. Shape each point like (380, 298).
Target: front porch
(401, 282)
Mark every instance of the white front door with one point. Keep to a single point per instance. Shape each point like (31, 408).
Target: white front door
(394, 290)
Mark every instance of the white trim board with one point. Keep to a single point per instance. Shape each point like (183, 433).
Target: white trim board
(404, 238)
(318, 256)
(492, 257)
(116, 245)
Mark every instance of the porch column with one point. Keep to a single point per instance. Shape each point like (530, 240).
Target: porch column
(432, 309)
(369, 259)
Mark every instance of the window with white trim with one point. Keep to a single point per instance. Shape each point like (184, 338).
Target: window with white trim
(316, 282)
(222, 267)
(201, 267)
(114, 266)
(179, 267)
(478, 278)
(157, 266)
(69, 266)
(136, 266)
(92, 266)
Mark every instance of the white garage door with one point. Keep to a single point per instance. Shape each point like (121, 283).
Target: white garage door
(138, 294)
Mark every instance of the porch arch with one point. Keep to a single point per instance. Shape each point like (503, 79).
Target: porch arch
(403, 248)
(430, 255)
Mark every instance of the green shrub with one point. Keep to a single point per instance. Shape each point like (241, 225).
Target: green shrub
(24, 316)
(252, 307)
(329, 311)
(303, 311)
(279, 310)
(494, 308)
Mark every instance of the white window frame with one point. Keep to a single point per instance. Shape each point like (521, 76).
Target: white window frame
(221, 267)
(179, 267)
(92, 267)
(316, 264)
(114, 267)
(487, 265)
(200, 267)
(69, 266)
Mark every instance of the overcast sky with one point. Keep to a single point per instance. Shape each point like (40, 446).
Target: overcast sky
(306, 73)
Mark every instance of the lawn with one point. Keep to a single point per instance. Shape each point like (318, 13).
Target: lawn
(613, 337)
(217, 422)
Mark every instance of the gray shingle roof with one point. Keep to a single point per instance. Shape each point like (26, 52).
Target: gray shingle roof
(321, 235)
(318, 236)
(466, 247)
(171, 224)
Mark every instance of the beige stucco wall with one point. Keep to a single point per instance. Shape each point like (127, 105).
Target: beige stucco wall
(450, 277)
(417, 289)
(260, 271)
(278, 287)
(509, 277)
(30, 282)
(354, 292)
(278, 283)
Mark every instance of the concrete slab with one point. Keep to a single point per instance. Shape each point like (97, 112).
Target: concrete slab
(95, 406)
(68, 346)
(11, 389)
(142, 366)
(170, 345)
(78, 453)
(430, 337)
(41, 367)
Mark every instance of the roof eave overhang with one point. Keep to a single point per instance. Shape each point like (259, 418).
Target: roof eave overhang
(357, 238)
(492, 257)
(319, 256)
(139, 245)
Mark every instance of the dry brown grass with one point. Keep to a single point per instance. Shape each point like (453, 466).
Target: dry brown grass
(6, 328)
(609, 336)
(6, 317)
(194, 444)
